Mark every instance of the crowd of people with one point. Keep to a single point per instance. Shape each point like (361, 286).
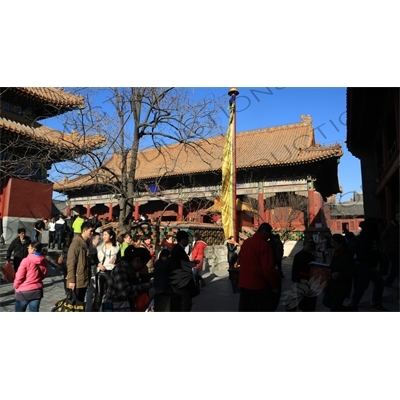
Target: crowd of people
(96, 265)
(103, 268)
(123, 267)
(356, 261)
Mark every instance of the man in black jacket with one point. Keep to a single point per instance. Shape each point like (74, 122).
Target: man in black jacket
(277, 247)
(20, 248)
(182, 280)
(38, 229)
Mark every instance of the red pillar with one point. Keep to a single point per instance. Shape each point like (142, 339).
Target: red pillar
(180, 210)
(260, 208)
(136, 215)
(311, 208)
(88, 211)
(68, 210)
(267, 216)
(238, 219)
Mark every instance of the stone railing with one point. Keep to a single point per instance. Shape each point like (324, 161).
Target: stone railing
(216, 259)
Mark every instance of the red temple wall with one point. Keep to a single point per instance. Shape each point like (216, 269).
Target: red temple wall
(26, 199)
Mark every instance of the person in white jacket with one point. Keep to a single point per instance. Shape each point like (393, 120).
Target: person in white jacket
(107, 251)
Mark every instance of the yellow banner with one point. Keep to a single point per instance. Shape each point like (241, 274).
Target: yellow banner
(227, 205)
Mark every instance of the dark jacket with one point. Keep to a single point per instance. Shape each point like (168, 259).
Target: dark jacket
(178, 254)
(93, 260)
(301, 265)
(390, 238)
(60, 226)
(367, 248)
(122, 284)
(161, 281)
(344, 264)
(178, 276)
(277, 250)
(232, 252)
(40, 225)
(20, 249)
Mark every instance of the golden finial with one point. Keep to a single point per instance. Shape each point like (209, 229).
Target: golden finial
(233, 91)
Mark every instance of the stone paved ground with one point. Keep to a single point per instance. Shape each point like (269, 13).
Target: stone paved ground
(216, 296)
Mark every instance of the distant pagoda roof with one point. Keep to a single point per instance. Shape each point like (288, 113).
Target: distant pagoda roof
(347, 209)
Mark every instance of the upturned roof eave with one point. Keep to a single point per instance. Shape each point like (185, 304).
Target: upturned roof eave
(81, 182)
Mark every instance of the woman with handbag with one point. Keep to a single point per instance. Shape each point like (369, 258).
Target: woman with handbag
(28, 281)
(107, 252)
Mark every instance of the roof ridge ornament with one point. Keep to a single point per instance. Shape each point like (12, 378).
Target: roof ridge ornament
(306, 119)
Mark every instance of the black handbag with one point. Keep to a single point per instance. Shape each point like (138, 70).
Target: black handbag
(70, 303)
(183, 278)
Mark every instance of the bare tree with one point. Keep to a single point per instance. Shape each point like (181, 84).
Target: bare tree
(133, 119)
(286, 207)
(23, 158)
(194, 206)
(250, 207)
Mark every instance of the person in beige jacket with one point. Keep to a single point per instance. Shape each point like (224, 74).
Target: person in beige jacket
(78, 262)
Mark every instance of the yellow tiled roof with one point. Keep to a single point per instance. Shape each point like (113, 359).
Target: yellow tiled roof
(53, 95)
(53, 137)
(277, 146)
